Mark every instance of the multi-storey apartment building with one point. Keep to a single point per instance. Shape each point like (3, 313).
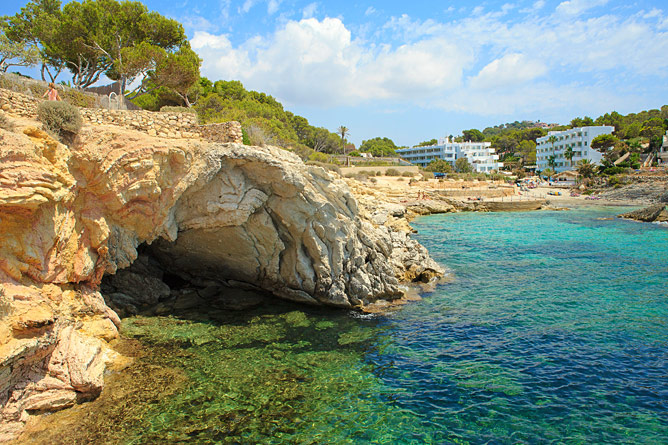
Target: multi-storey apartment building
(480, 155)
(556, 144)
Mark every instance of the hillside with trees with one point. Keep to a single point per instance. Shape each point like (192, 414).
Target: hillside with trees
(379, 147)
(151, 59)
(634, 133)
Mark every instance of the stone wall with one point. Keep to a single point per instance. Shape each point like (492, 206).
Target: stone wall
(223, 132)
(166, 125)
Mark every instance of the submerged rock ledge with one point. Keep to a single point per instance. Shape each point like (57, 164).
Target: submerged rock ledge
(254, 217)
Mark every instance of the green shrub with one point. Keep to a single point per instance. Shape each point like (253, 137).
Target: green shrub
(60, 118)
(617, 180)
(244, 137)
(392, 172)
(407, 174)
(77, 98)
(318, 157)
(324, 165)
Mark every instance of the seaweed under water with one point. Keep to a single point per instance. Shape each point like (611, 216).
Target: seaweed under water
(284, 374)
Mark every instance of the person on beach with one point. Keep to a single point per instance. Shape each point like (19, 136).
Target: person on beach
(52, 93)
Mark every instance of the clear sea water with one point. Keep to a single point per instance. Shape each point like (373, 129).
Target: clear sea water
(553, 328)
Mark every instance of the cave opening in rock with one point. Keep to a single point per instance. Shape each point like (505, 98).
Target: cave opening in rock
(149, 287)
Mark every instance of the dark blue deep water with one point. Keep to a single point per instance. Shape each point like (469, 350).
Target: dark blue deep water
(551, 328)
(554, 328)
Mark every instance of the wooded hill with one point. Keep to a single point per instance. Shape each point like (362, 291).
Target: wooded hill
(516, 142)
(262, 117)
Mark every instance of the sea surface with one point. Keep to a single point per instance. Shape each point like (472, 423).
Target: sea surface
(552, 328)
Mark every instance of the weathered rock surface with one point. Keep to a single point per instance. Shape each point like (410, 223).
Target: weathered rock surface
(216, 214)
(648, 190)
(648, 214)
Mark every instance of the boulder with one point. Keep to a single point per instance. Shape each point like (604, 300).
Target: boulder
(647, 214)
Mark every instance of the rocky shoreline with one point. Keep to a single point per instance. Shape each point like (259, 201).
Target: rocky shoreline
(654, 213)
(162, 225)
(123, 223)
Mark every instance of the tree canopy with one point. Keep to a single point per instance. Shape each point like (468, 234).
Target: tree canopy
(439, 165)
(16, 53)
(462, 166)
(473, 135)
(379, 147)
(120, 39)
(604, 142)
(427, 143)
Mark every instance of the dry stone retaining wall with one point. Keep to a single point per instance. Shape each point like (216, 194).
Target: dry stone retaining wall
(167, 125)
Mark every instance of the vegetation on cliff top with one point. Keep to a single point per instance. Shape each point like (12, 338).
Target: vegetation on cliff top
(124, 41)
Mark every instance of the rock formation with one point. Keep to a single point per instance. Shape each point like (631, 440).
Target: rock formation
(228, 214)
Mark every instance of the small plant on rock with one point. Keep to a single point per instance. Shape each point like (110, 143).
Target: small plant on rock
(60, 119)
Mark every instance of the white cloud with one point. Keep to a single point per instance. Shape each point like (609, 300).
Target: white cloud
(317, 62)
(224, 6)
(507, 7)
(539, 100)
(197, 22)
(511, 69)
(369, 11)
(483, 57)
(248, 4)
(309, 10)
(575, 7)
(536, 7)
(653, 13)
(272, 6)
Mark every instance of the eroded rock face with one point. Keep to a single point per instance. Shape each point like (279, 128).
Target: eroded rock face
(265, 218)
(246, 216)
(652, 213)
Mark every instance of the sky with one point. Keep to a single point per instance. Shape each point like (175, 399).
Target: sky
(417, 70)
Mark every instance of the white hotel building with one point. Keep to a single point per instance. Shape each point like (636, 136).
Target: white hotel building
(579, 139)
(480, 155)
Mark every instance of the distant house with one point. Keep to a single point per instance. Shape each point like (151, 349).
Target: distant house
(544, 125)
(578, 139)
(568, 177)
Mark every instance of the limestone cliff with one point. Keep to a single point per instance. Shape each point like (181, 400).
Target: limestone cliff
(250, 216)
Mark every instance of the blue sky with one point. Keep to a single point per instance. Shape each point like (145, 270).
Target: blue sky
(418, 70)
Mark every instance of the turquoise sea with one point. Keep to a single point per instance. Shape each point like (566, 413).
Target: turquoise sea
(552, 328)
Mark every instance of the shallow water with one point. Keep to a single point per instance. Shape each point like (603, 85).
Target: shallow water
(553, 329)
